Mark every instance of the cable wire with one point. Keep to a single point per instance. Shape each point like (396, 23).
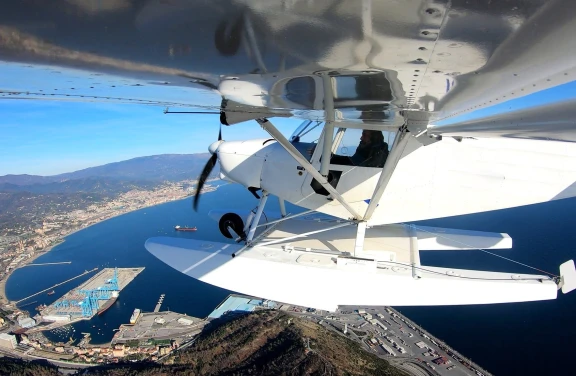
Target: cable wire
(481, 249)
(408, 266)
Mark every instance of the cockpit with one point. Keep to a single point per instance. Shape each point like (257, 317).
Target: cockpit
(351, 146)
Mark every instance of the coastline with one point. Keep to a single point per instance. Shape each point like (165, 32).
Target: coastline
(4, 299)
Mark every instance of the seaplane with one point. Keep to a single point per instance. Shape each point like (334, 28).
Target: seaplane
(409, 111)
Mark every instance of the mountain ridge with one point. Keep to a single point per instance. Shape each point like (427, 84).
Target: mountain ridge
(160, 167)
(26, 199)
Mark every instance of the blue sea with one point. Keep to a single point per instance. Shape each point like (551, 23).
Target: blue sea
(506, 339)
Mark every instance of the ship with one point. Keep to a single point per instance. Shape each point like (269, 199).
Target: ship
(51, 292)
(109, 303)
(134, 316)
(179, 228)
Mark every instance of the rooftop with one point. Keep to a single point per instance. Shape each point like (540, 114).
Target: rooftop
(236, 303)
(159, 325)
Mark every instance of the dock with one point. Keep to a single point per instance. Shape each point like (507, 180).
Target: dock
(56, 285)
(159, 328)
(84, 301)
(159, 304)
(47, 263)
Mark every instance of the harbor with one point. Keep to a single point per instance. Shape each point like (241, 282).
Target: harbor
(90, 298)
(196, 299)
(155, 335)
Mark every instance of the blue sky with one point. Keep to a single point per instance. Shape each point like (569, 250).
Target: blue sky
(51, 137)
(554, 94)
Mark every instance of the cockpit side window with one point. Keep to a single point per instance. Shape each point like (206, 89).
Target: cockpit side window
(363, 148)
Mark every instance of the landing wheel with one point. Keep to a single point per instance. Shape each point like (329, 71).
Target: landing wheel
(234, 222)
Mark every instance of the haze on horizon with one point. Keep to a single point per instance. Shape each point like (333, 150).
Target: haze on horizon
(49, 138)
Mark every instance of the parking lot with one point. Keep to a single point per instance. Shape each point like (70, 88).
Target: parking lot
(388, 334)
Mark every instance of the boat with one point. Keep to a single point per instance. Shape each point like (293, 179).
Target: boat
(41, 307)
(51, 292)
(135, 316)
(179, 228)
(108, 304)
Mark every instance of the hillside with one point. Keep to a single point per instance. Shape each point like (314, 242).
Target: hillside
(170, 167)
(263, 343)
(26, 198)
(87, 185)
(273, 343)
(23, 208)
(17, 367)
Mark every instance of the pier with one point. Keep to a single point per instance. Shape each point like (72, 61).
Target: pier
(48, 263)
(27, 304)
(91, 297)
(56, 285)
(159, 304)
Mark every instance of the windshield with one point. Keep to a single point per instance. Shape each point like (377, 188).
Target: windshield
(309, 131)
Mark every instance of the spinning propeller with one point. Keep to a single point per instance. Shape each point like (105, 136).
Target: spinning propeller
(213, 148)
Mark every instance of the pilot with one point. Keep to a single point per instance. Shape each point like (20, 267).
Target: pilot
(371, 152)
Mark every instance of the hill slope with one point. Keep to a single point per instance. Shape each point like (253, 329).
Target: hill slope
(265, 343)
(262, 343)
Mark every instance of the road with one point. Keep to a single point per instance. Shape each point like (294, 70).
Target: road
(412, 368)
(59, 363)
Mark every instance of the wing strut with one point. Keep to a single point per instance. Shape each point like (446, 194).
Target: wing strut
(287, 217)
(360, 235)
(328, 125)
(305, 234)
(395, 154)
(271, 129)
(256, 218)
(282, 207)
(414, 252)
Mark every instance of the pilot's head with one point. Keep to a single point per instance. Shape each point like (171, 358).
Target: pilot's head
(370, 137)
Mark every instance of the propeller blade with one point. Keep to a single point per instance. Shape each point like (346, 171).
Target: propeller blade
(220, 133)
(203, 176)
